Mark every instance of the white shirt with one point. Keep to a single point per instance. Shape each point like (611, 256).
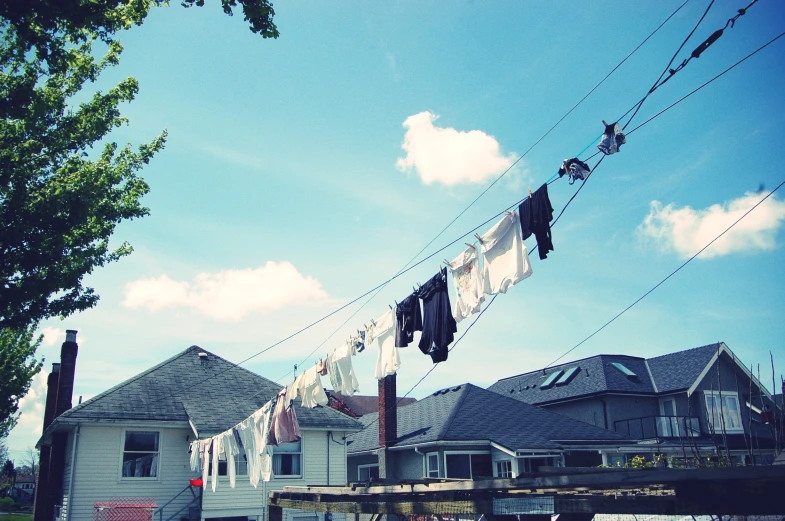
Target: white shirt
(506, 261)
(339, 365)
(388, 360)
(311, 390)
(469, 284)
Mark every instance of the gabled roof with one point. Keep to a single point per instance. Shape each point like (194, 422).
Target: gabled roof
(209, 391)
(470, 413)
(679, 371)
(595, 375)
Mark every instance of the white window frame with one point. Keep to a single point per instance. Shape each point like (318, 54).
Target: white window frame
(428, 468)
(237, 459)
(468, 453)
(607, 455)
(302, 463)
(157, 476)
(496, 469)
(366, 466)
(710, 416)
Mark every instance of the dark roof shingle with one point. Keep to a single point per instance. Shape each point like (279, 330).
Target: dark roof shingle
(679, 370)
(470, 413)
(211, 392)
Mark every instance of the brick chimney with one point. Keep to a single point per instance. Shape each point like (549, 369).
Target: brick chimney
(388, 411)
(43, 462)
(58, 400)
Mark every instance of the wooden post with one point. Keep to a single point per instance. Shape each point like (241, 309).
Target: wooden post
(274, 513)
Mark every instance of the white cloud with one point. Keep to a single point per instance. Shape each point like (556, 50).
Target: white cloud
(228, 295)
(52, 335)
(449, 156)
(31, 406)
(685, 230)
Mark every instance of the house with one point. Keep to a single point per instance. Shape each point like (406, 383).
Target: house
(129, 445)
(469, 432)
(704, 398)
(23, 490)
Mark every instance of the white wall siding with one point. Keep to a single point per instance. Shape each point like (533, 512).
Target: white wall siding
(97, 473)
(245, 500)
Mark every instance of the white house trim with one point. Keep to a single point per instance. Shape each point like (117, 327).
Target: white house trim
(725, 349)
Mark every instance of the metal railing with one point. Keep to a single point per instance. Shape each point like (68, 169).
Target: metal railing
(195, 503)
(648, 427)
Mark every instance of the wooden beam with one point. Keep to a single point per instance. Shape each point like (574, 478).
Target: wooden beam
(274, 513)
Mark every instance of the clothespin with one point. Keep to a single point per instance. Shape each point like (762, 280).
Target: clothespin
(479, 238)
(508, 212)
(470, 245)
(529, 188)
(373, 322)
(295, 372)
(390, 305)
(446, 262)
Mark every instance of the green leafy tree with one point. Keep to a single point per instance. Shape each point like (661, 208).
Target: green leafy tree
(18, 365)
(61, 198)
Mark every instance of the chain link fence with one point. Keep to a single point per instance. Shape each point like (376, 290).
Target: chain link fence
(125, 509)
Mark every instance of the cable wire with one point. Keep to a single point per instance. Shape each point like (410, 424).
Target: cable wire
(671, 274)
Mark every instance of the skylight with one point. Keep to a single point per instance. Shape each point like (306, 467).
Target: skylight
(568, 376)
(626, 372)
(548, 383)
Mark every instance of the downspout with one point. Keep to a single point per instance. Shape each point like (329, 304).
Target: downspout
(424, 469)
(74, 448)
(327, 440)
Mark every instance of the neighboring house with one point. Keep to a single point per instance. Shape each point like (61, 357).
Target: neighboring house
(23, 490)
(130, 443)
(469, 432)
(704, 398)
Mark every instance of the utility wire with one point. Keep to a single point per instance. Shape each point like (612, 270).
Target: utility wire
(475, 228)
(671, 274)
(381, 287)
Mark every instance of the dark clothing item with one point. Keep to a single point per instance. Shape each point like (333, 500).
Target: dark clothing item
(408, 320)
(575, 169)
(612, 139)
(536, 215)
(439, 326)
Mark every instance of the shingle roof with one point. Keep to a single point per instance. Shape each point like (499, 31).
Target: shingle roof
(468, 413)
(679, 370)
(213, 393)
(596, 375)
(363, 405)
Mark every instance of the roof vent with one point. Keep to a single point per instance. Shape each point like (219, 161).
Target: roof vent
(456, 388)
(202, 355)
(512, 391)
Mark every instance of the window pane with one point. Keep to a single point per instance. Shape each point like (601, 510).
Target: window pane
(433, 465)
(287, 447)
(141, 441)
(286, 464)
(504, 469)
(140, 465)
(482, 466)
(368, 473)
(458, 466)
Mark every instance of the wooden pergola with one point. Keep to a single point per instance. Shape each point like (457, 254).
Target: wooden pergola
(577, 494)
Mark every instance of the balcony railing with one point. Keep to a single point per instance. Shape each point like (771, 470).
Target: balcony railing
(649, 427)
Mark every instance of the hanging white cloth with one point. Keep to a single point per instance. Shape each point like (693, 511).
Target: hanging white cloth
(388, 360)
(216, 451)
(194, 448)
(341, 370)
(469, 284)
(505, 259)
(311, 390)
(231, 449)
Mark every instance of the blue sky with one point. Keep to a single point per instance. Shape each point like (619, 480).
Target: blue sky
(284, 191)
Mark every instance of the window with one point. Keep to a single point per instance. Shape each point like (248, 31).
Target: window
(568, 376)
(140, 454)
(626, 372)
(468, 466)
(433, 465)
(504, 469)
(722, 410)
(367, 472)
(615, 460)
(548, 383)
(531, 464)
(287, 460)
(240, 465)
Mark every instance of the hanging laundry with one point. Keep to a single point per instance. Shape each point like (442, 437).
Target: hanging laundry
(264, 451)
(536, 214)
(216, 452)
(321, 367)
(575, 169)
(506, 261)
(469, 282)
(612, 139)
(232, 450)
(293, 390)
(194, 450)
(204, 454)
(358, 341)
(245, 429)
(408, 320)
(439, 326)
(310, 389)
(388, 360)
(284, 427)
(342, 375)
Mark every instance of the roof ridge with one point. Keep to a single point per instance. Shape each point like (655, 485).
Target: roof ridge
(465, 388)
(131, 380)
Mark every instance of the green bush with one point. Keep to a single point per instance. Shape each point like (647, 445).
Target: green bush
(6, 504)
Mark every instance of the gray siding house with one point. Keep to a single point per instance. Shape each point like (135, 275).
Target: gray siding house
(702, 399)
(469, 432)
(129, 445)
